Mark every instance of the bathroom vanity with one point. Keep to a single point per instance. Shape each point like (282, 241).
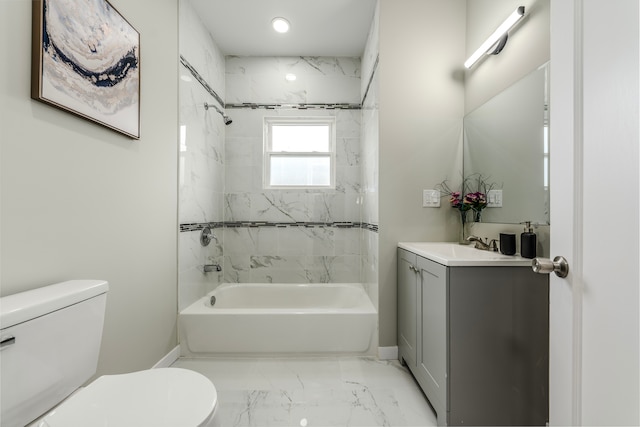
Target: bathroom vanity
(473, 328)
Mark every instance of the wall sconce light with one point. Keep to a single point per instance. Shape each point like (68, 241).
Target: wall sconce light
(498, 39)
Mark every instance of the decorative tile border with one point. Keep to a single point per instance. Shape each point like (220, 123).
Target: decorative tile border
(257, 224)
(302, 106)
(199, 226)
(373, 73)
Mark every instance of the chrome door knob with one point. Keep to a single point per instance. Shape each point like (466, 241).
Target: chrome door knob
(559, 265)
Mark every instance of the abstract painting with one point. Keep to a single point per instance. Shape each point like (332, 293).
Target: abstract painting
(86, 60)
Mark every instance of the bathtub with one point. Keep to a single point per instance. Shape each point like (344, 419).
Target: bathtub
(279, 319)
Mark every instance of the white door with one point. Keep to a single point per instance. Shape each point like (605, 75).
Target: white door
(594, 356)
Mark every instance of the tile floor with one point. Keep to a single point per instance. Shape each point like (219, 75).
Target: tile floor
(307, 392)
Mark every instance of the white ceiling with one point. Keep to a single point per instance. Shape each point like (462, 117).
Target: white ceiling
(318, 27)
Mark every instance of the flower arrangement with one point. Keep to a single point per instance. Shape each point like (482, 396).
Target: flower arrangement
(473, 196)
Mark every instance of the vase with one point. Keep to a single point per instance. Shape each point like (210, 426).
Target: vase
(477, 215)
(465, 228)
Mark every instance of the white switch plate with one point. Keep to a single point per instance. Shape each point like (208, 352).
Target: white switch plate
(494, 199)
(430, 199)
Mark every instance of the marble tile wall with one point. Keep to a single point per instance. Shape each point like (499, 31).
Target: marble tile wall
(370, 55)
(201, 168)
(319, 80)
(369, 161)
(290, 252)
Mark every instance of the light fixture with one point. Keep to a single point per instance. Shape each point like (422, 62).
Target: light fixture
(281, 25)
(497, 39)
(290, 77)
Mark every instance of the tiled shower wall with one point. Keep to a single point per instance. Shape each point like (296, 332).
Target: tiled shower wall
(273, 236)
(201, 169)
(369, 161)
(291, 236)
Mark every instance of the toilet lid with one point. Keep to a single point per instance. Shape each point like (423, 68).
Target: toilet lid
(166, 397)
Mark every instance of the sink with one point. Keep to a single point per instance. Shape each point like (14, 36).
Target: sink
(454, 254)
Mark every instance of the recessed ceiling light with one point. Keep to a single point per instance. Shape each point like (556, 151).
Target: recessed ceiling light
(281, 25)
(290, 77)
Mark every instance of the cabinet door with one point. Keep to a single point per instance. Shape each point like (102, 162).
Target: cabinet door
(499, 346)
(433, 354)
(407, 307)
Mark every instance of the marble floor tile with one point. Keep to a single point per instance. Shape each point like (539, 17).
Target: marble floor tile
(307, 392)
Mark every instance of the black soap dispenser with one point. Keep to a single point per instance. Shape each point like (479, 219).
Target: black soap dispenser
(528, 241)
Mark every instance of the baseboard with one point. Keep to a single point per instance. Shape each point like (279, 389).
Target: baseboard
(388, 353)
(168, 360)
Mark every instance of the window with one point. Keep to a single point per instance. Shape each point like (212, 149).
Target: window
(299, 152)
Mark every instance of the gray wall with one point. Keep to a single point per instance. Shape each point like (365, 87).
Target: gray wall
(422, 48)
(81, 201)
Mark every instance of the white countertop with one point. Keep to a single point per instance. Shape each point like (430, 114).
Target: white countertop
(454, 254)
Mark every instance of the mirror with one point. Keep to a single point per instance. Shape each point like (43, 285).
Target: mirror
(506, 140)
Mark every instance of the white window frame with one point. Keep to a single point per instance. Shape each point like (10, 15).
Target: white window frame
(298, 121)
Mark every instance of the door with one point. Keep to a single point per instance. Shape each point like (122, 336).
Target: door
(408, 280)
(594, 357)
(433, 346)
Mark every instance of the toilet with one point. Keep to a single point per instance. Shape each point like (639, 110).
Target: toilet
(49, 345)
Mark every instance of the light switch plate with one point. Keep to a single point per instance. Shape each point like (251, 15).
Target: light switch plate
(430, 199)
(494, 199)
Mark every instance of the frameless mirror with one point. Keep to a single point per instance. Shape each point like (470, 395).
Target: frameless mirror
(506, 140)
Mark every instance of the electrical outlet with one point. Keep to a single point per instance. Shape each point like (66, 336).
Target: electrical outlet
(430, 199)
(494, 199)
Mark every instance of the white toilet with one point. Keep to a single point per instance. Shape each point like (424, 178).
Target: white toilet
(49, 345)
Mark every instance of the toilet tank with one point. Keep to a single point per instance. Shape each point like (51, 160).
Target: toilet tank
(50, 341)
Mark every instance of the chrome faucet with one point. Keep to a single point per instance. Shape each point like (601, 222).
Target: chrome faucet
(208, 268)
(480, 244)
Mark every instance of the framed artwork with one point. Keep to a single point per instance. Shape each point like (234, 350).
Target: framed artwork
(86, 60)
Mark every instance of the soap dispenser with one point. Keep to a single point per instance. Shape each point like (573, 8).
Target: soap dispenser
(528, 241)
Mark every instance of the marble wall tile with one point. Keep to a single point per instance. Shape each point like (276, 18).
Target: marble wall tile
(237, 269)
(193, 281)
(244, 174)
(201, 157)
(369, 161)
(348, 123)
(197, 46)
(348, 151)
(291, 254)
(371, 51)
(319, 80)
(304, 269)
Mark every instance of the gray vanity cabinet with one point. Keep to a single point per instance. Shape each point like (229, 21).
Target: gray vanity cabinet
(481, 345)
(408, 283)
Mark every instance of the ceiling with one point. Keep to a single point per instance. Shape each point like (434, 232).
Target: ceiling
(318, 27)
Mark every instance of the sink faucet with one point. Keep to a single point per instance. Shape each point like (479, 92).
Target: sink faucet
(480, 244)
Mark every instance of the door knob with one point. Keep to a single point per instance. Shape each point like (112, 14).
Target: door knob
(559, 265)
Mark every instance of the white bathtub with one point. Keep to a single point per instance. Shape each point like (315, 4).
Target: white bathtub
(257, 318)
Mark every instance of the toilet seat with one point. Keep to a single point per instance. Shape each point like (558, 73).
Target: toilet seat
(166, 397)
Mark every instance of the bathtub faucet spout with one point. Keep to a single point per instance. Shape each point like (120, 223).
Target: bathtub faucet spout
(211, 267)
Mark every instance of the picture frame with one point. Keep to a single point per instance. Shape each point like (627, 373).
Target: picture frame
(86, 61)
